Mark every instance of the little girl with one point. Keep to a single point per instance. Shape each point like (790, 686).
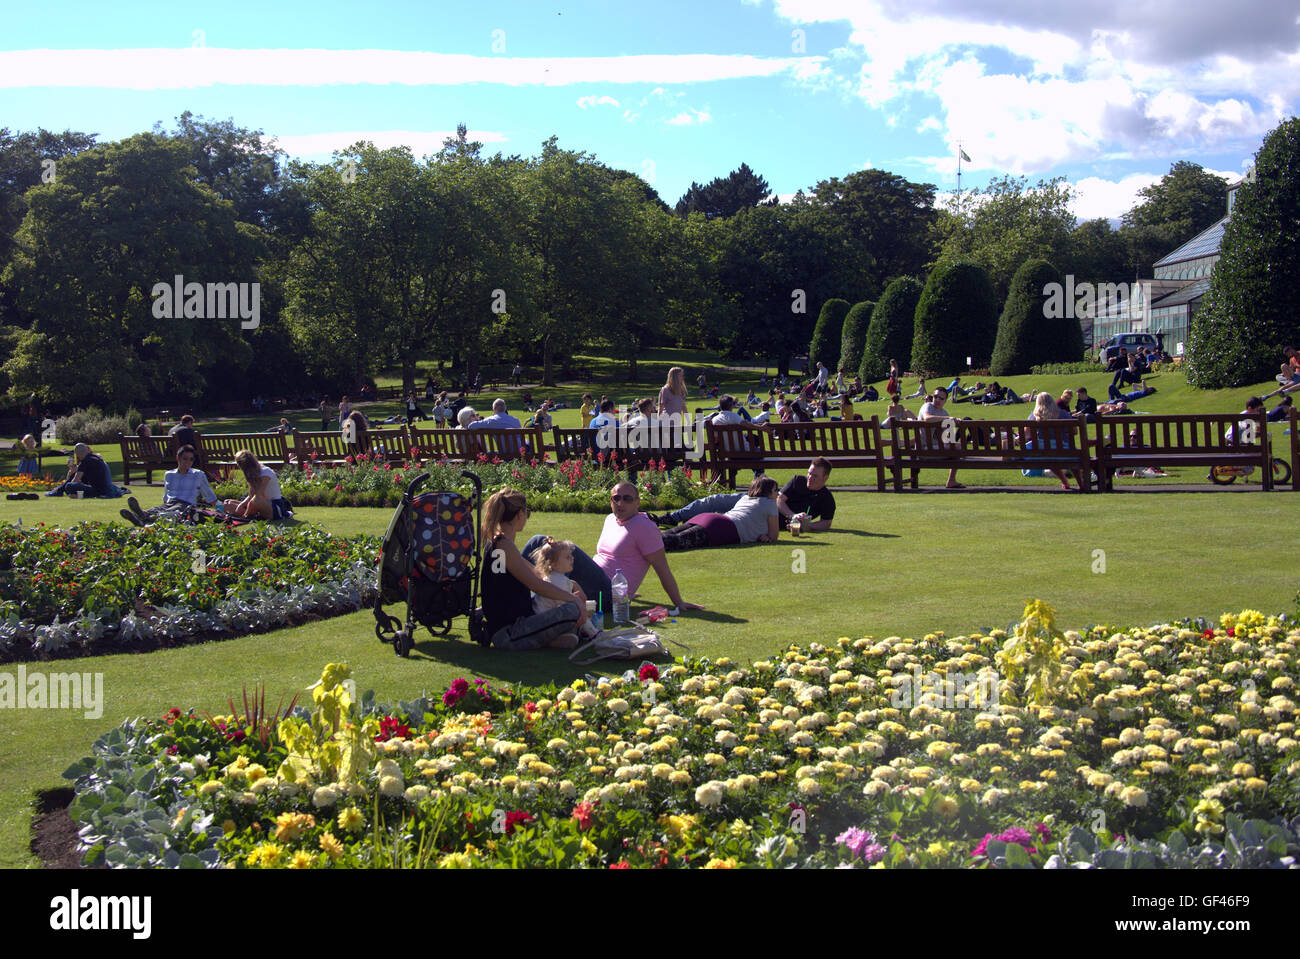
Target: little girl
(554, 560)
(27, 463)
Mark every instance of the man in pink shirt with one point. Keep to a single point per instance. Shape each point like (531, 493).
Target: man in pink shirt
(632, 543)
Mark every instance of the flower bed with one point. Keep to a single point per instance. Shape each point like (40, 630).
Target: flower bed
(1170, 745)
(99, 585)
(23, 483)
(575, 486)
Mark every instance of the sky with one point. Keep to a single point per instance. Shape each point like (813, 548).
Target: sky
(1108, 94)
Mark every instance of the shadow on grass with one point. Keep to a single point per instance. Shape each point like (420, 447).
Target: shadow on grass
(534, 667)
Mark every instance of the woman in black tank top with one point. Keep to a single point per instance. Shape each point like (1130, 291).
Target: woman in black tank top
(509, 581)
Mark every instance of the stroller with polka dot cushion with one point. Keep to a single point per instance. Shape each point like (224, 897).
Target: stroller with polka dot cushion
(430, 560)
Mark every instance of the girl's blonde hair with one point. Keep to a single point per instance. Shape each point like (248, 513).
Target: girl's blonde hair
(1044, 407)
(548, 555)
(676, 381)
(248, 465)
(501, 507)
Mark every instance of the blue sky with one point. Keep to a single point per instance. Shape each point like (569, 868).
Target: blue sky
(1106, 93)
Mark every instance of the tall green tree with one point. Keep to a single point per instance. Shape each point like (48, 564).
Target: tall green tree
(890, 332)
(1249, 313)
(1030, 331)
(828, 334)
(956, 318)
(890, 220)
(117, 220)
(726, 196)
(854, 335)
(1008, 222)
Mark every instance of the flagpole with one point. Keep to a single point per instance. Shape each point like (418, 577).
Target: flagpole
(959, 173)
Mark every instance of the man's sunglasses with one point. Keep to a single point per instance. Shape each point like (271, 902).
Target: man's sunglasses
(624, 497)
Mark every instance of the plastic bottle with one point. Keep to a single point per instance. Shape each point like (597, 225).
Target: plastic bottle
(622, 602)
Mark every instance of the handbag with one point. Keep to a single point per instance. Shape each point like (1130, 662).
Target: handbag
(632, 642)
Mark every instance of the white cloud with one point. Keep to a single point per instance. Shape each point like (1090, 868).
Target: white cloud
(1096, 198)
(690, 117)
(189, 67)
(594, 101)
(421, 142)
(1086, 80)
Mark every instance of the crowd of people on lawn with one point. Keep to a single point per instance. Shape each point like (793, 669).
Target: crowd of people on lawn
(537, 596)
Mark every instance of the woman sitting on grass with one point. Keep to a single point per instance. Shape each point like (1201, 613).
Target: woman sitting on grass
(509, 581)
(755, 519)
(264, 499)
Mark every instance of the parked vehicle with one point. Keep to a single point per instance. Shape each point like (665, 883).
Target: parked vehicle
(1129, 341)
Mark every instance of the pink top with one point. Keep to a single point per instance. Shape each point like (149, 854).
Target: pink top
(625, 546)
(670, 402)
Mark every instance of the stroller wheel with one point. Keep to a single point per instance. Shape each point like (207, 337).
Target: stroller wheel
(442, 630)
(402, 643)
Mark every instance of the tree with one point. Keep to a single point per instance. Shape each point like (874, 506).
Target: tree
(117, 220)
(26, 160)
(1097, 253)
(890, 219)
(1030, 334)
(1008, 222)
(956, 318)
(827, 334)
(1248, 315)
(890, 333)
(726, 196)
(854, 336)
(1185, 201)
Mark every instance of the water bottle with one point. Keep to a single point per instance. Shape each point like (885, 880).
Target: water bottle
(622, 603)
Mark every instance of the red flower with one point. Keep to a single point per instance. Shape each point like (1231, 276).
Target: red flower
(390, 727)
(455, 692)
(582, 815)
(516, 818)
(648, 671)
(1232, 631)
(350, 460)
(414, 452)
(1209, 633)
(172, 715)
(619, 865)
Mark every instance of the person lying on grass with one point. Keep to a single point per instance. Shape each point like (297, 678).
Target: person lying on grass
(754, 519)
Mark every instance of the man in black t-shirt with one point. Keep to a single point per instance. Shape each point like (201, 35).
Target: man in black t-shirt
(90, 475)
(808, 497)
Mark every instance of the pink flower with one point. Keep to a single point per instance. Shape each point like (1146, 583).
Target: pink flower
(455, 692)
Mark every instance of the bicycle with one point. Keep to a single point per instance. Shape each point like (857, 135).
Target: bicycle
(1226, 475)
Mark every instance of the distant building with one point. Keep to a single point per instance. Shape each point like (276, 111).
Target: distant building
(1166, 303)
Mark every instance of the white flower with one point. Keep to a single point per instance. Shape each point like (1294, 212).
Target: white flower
(392, 786)
(710, 794)
(417, 793)
(324, 796)
(585, 698)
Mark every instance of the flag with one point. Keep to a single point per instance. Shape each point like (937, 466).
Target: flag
(963, 155)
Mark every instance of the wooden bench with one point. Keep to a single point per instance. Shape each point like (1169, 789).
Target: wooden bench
(1134, 442)
(328, 448)
(849, 444)
(147, 455)
(469, 445)
(217, 450)
(951, 443)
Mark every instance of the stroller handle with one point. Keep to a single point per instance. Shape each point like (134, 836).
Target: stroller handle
(415, 484)
(478, 483)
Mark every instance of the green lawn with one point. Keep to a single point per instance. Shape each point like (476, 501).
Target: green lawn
(895, 565)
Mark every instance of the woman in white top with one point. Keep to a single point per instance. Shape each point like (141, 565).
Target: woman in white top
(263, 490)
(1045, 408)
(933, 409)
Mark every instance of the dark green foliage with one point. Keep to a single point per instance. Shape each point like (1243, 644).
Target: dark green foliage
(855, 335)
(726, 196)
(1033, 329)
(889, 335)
(1249, 314)
(956, 317)
(825, 347)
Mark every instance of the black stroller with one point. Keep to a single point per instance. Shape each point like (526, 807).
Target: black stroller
(430, 560)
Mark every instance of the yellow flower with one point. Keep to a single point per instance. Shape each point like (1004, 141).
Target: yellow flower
(331, 846)
(946, 807)
(351, 819)
(300, 860)
(290, 825)
(721, 864)
(678, 826)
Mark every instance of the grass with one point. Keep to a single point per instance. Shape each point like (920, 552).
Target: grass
(894, 565)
